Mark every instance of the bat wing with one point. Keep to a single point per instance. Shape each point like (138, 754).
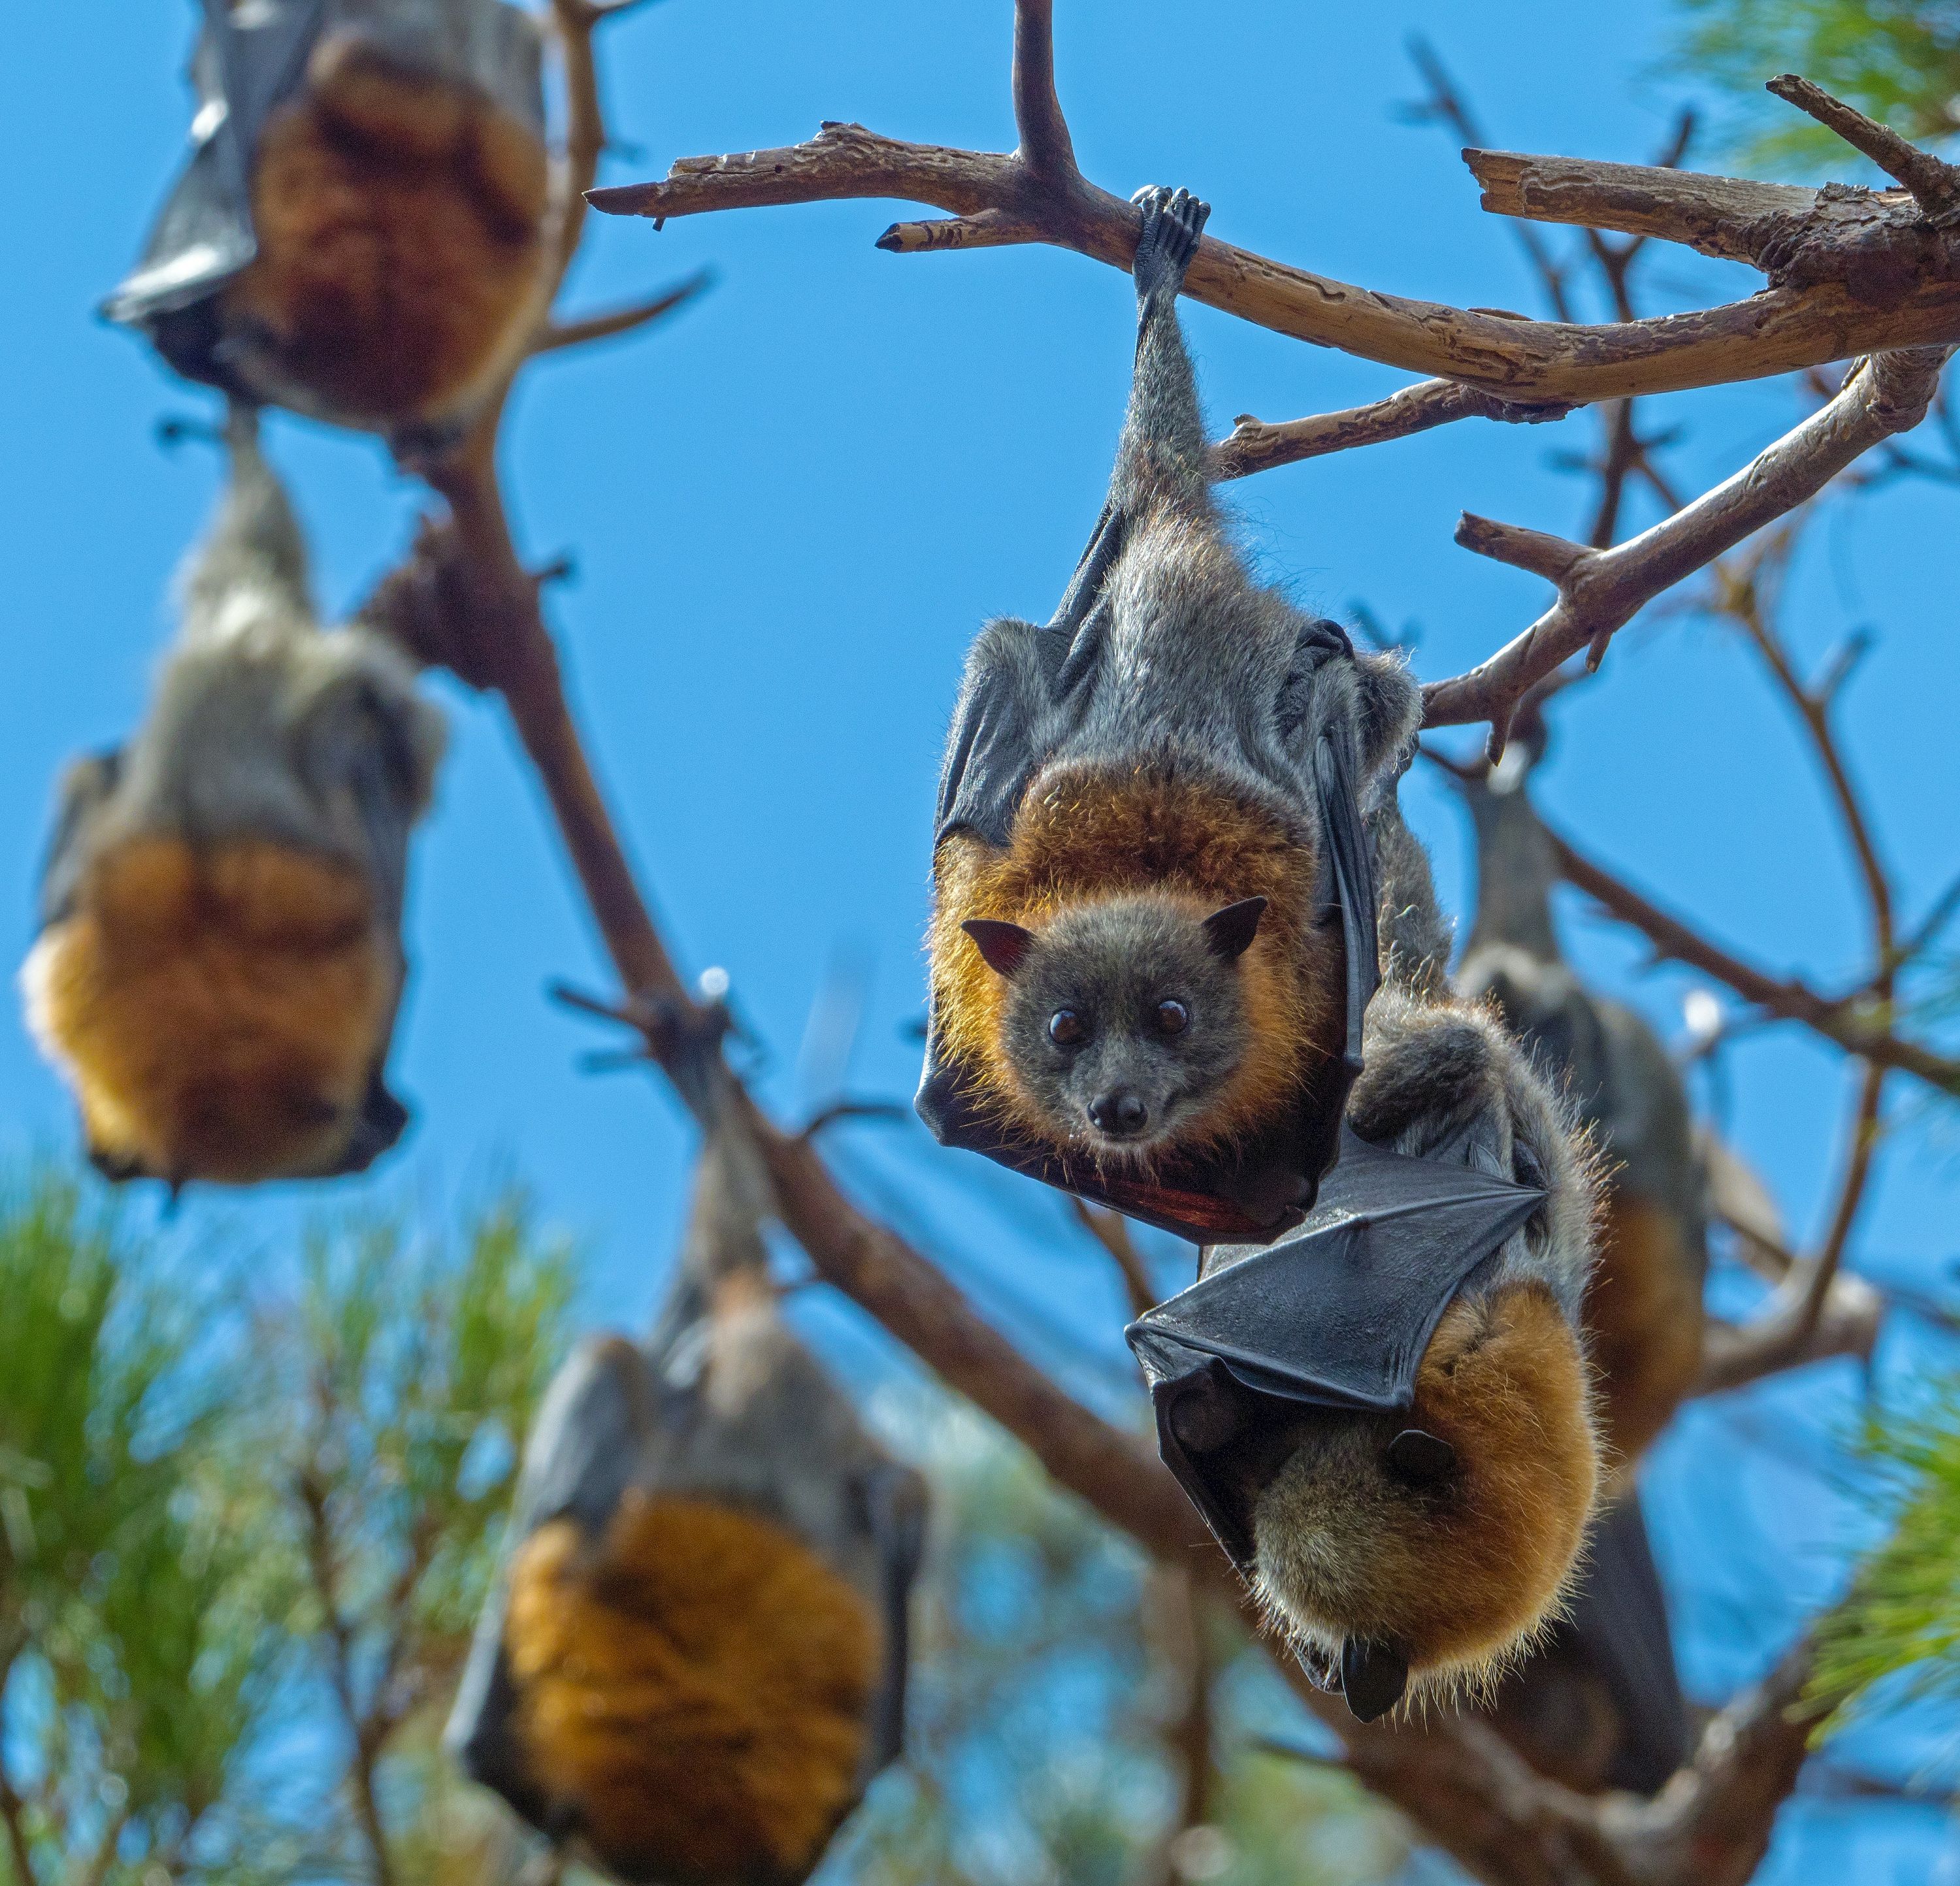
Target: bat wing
(247, 64)
(1619, 1621)
(86, 787)
(1338, 1315)
(576, 1464)
(895, 1498)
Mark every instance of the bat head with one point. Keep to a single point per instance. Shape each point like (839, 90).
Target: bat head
(1125, 1021)
(1429, 1547)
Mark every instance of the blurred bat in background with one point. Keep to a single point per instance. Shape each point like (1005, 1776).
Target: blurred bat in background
(1599, 1704)
(220, 959)
(1643, 1306)
(357, 233)
(694, 1662)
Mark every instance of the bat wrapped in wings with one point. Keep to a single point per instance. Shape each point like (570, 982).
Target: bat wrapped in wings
(694, 1662)
(1153, 938)
(358, 231)
(220, 959)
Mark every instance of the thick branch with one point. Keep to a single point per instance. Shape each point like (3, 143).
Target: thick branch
(1527, 361)
(1851, 1024)
(1600, 591)
(1256, 446)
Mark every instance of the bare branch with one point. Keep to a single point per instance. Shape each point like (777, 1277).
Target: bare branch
(1526, 362)
(1852, 1022)
(1111, 1230)
(1256, 446)
(1045, 146)
(1601, 591)
(621, 320)
(1935, 186)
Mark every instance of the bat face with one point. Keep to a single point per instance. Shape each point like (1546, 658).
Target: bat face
(693, 1693)
(399, 217)
(219, 1012)
(1125, 1023)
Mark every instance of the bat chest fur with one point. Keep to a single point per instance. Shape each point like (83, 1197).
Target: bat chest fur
(399, 227)
(1088, 834)
(221, 1008)
(693, 1694)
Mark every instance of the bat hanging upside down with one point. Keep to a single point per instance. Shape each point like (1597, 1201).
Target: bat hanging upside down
(1162, 823)
(220, 960)
(696, 1660)
(360, 233)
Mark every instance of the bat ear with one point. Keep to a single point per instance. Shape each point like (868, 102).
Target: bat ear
(1229, 932)
(1373, 1677)
(1421, 1459)
(1005, 946)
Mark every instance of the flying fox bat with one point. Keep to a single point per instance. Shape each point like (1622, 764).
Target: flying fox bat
(1643, 1306)
(358, 232)
(695, 1661)
(1154, 937)
(220, 959)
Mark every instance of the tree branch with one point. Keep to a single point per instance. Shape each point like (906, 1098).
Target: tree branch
(609, 322)
(1255, 447)
(1600, 591)
(1111, 1229)
(1934, 186)
(996, 198)
(1851, 1022)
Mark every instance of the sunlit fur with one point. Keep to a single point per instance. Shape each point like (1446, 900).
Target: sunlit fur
(399, 219)
(218, 1012)
(1083, 835)
(1642, 1320)
(691, 1696)
(1460, 1577)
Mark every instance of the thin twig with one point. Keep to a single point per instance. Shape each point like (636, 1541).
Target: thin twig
(1600, 591)
(1112, 1231)
(609, 322)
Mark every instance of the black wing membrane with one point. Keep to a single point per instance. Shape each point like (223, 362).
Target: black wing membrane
(1337, 1315)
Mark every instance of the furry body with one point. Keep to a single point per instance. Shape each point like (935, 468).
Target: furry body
(692, 1738)
(1164, 735)
(697, 1663)
(1458, 1575)
(221, 961)
(400, 224)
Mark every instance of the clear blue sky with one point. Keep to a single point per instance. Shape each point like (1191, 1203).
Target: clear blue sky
(791, 508)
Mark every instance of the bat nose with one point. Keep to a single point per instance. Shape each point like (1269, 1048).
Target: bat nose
(1122, 1116)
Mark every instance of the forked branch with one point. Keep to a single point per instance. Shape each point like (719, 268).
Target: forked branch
(1600, 591)
(1036, 194)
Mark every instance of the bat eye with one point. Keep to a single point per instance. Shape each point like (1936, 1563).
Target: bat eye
(1173, 1018)
(1065, 1027)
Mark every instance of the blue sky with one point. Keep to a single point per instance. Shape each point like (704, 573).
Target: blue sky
(790, 509)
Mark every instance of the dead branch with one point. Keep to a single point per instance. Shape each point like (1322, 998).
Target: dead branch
(1255, 447)
(1600, 591)
(1934, 186)
(1037, 195)
(1111, 1229)
(1851, 1021)
(609, 322)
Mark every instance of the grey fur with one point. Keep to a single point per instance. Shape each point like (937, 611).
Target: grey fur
(1621, 1081)
(1110, 965)
(1176, 660)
